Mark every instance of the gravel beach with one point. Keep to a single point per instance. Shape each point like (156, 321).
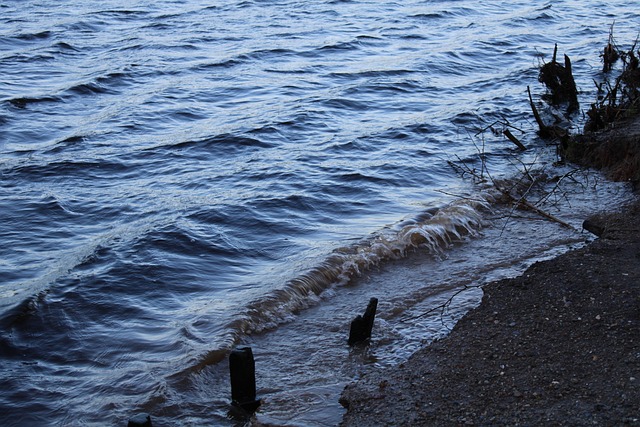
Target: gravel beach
(559, 345)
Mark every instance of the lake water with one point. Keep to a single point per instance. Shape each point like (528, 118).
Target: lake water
(178, 178)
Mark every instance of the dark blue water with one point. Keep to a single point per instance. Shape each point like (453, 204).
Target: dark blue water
(179, 177)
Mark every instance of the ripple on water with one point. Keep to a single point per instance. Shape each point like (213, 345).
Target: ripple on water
(177, 179)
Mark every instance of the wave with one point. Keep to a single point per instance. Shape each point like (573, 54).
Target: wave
(222, 63)
(24, 101)
(341, 104)
(226, 142)
(63, 46)
(433, 231)
(373, 73)
(41, 35)
(428, 16)
(105, 84)
(20, 302)
(97, 86)
(121, 12)
(84, 168)
(241, 58)
(339, 46)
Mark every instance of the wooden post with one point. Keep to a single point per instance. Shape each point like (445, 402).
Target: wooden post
(361, 326)
(140, 420)
(243, 379)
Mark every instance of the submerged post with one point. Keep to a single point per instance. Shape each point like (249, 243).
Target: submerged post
(140, 420)
(361, 326)
(243, 379)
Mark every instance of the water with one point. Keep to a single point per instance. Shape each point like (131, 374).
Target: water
(181, 177)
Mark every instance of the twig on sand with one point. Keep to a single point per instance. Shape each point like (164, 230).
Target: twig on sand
(443, 307)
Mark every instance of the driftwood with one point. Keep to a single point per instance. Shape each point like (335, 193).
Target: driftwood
(505, 131)
(522, 203)
(543, 128)
(594, 227)
(513, 139)
(609, 57)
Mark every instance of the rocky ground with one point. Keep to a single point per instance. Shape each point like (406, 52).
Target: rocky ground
(559, 345)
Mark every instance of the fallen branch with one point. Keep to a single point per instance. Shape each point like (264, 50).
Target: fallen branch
(544, 130)
(442, 307)
(513, 139)
(522, 202)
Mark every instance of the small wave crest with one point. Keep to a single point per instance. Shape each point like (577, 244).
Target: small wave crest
(65, 167)
(34, 36)
(106, 84)
(433, 231)
(223, 142)
(23, 102)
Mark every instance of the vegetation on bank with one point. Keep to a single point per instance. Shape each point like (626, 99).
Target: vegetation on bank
(611, 137)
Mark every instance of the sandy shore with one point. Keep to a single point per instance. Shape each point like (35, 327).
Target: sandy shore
(559, 345)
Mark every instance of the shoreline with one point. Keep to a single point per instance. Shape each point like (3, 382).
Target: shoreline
(558, 345)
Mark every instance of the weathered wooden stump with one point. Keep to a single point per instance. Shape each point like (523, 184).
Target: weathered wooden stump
(140, 420)
(243, 379)
(560, 82)
(361, 326)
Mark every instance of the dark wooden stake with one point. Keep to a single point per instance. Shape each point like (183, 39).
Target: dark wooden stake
(243, 379)
(140, 420)
(361, 326)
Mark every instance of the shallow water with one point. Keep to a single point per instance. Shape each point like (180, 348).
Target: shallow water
(182, 177)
